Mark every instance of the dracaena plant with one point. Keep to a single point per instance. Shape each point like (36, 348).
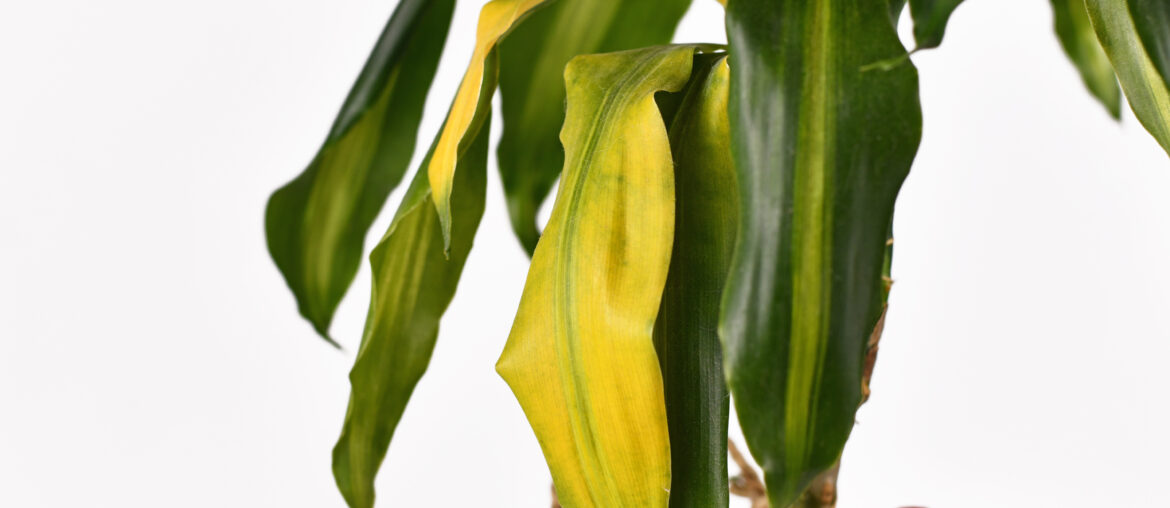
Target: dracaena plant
(722, 229)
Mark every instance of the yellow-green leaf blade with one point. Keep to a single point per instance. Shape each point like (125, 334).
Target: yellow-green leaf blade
(414, 282)
(473, 99)
(532, 90)
(685, 333)
(1139, 55)
(1075, 32)
(316, 224)
(580, 358)
(821, 148)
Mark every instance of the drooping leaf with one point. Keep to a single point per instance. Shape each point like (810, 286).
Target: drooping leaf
(413, 284)
(685, 333)
(580, 358)
(1080, 44)
(473, 99)
(532, 89)
(930, 20)
(317, 223)
(1136, 36)
(821, 148)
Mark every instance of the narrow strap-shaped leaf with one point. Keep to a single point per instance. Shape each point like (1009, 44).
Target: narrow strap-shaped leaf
(580, 358)
(1136, 36)
(1152, 19)
(1076, 36)
(472, 100)
(821, 148)
(532, 87)
(413, 284)
(317, 223)
(930, 20)
(686, 331)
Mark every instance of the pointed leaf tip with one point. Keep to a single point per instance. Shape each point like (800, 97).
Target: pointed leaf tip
(472, 101)
(316, 224)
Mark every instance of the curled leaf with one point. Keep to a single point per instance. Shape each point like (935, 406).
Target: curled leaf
(580, 358)
(532, 87)
(685, 333)
(472, 100)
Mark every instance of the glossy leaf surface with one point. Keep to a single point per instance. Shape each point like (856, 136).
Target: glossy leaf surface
(1080, 44)
(1136, 36)
(316, 224)
(930, 20)
(473, 99)
(580, 358)
(821, 149)
(685, 333)
(532, 87)
(413, 284)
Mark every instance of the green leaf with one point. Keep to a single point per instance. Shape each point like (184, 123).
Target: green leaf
(685, 333)
(930, 20)
(1136, 36)
(1152, 18)
(821, 148)
(532, 90)
(317, 223)
(896, 7)
(580, 358)
(413, 284)
(1080, 44)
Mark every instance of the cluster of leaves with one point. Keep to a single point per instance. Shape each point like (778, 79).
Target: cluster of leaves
(722, 225)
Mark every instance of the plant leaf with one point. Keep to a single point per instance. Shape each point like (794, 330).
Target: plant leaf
(580, 358)
(1136, 36)
(317, 223)
(930, 20)
(821, 148)
(896, 7)
(1076, 36)
(532, 89)
(685, 333)
(414, 282)
(473, 99)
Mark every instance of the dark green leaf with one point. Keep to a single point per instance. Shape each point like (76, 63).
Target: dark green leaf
(821, 148)
(930, 20)
(532, 90)
(1080, 44)
(685, 332)
(1136, 36)
(1152, 18)
(317, 223)
(413, 284)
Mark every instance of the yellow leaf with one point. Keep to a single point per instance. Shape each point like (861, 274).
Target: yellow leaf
(472, 100)
(580, 357)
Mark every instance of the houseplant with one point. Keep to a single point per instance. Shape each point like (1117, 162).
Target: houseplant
(676, 257)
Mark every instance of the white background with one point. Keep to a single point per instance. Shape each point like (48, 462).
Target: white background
(150, 354)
